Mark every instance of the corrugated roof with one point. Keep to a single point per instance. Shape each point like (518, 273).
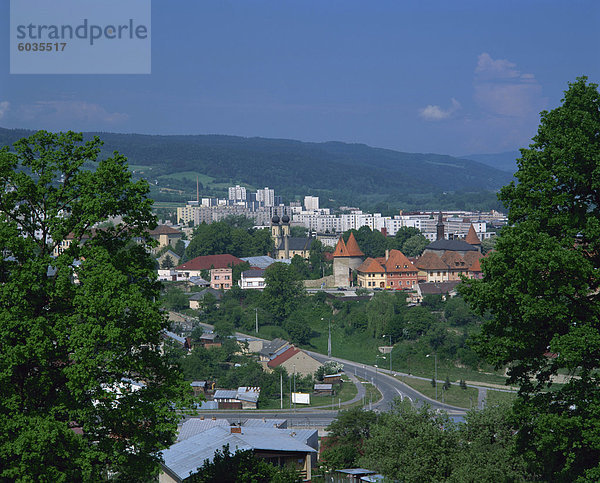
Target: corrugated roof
(225, 394)
(184, 457)
(194, 426)
(323, 387)
(259, 262)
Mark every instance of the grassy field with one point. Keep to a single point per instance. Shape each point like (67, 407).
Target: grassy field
(343, 394)
(372, 395)
(456, 396)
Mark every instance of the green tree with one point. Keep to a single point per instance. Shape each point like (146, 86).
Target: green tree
(412, 445)
(243, 467)
(68, 347)
(415, 245)
(542, 286)
(167, 262)
(403, 234)
(283, 290)
(347, 435)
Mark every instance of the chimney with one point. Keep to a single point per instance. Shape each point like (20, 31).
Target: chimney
(201, 418)
(387, 254)
(236, 429)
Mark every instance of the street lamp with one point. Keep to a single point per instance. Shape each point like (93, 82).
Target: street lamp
(435, 376)
(391, 349)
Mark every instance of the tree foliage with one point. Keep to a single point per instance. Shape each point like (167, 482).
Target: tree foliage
(542, 285)
(283, 290)
(70, 350)
(242, 467)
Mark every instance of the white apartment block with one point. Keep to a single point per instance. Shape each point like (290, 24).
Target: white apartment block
(311, 203)
(237, 193)
(267, 196)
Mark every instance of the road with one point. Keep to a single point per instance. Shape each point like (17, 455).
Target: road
(390, 387)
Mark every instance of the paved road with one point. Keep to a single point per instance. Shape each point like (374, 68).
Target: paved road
(390, 387)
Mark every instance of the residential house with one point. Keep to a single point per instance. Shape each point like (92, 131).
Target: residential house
(275, 445)
(394, 272)
(169, 254)
(252, 279)
(242, 398)
(165, 236)
(197, 297)
(221, 278)
(445, 289)
(294, 360)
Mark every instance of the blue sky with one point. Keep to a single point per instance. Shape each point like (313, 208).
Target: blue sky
(452, 77)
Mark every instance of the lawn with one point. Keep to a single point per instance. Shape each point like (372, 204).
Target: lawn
(455, 396)
(372, 395)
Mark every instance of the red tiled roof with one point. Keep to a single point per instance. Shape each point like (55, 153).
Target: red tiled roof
(340, 249)
(210, 261)
(284, 356)
(430, 261)
(453, 260)
(352, 246)
(472, 238)
(472, 261)
(371, 265)
(398, 262)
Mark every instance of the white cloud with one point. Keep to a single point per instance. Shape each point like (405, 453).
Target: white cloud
(71, 111)
(502, 90)
(436, 113)
(4, 106)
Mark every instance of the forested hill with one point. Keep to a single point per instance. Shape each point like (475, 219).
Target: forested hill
(330, 168)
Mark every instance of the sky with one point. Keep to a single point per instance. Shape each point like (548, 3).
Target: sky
(451, 77)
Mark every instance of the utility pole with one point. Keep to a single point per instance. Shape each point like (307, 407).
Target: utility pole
(256, 312)
(329, 341)
(391, 349)
(281, 388)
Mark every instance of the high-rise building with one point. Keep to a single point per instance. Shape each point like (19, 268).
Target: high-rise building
(266, 196)
(311, 203)
(237, 193)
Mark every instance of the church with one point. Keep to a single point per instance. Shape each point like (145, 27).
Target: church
(286, 246)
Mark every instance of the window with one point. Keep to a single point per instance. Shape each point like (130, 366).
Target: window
(216, 277)
(391, 283)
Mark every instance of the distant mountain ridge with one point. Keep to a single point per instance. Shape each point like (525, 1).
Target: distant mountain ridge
(506, 161)
(286, 165)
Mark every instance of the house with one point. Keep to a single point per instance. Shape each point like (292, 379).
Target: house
(242, 398)
(221, 278)
(393, 272)
(208, 340)
(165, 235)
(169, 254)
(445, 289)
(276, 445)
(197, 297)
(294, 360)
(199, 387)
(269, 349)
(195, 266)
(347, 257)
(252, 279)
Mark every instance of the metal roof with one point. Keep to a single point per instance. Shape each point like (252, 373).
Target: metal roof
(194, 426)
(225, 394)
(184, 457)
(323, 387)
